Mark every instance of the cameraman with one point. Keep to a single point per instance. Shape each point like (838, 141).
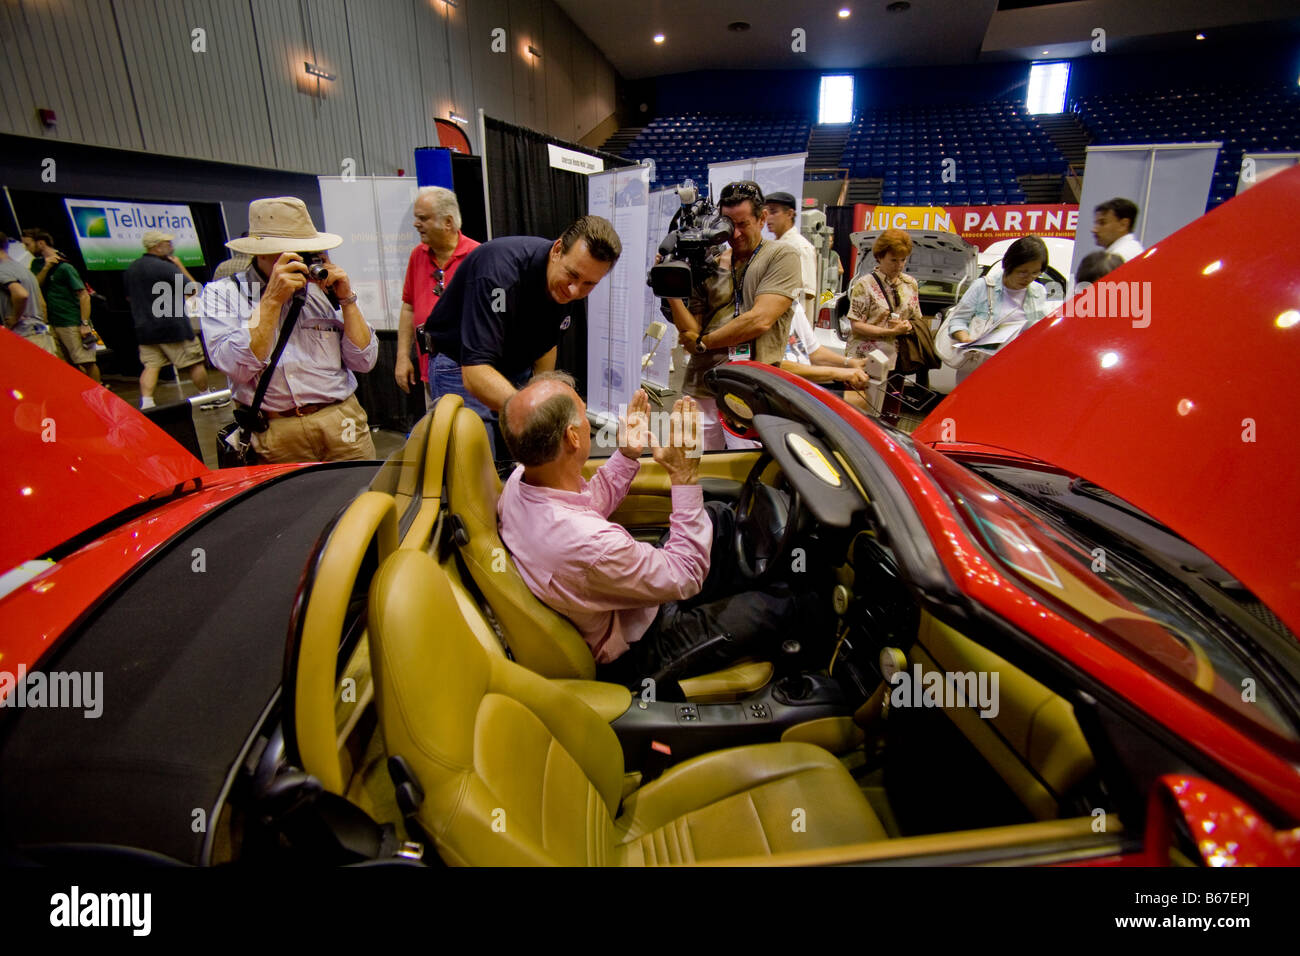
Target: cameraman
(311, 409)
(742, 311)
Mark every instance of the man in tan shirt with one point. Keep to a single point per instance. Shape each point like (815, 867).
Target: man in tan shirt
(765, 278)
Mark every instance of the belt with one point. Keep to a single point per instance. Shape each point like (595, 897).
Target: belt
(302, 410)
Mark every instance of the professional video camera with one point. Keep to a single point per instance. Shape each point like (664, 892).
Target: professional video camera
(687, 250)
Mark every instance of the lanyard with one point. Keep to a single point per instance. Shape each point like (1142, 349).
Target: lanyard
(737, 284)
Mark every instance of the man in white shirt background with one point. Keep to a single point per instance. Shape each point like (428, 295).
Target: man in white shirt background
(783, 220)
(1113, 223)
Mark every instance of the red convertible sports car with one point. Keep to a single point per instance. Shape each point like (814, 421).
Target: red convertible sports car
(1060, 626)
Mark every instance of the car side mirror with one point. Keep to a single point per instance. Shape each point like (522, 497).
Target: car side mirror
(1192, 822)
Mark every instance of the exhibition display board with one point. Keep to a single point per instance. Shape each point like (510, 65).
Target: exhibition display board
(1256, 167)
(617, 309)
(1170, 182)
(109, 232)
(373, 214)
(772, 173)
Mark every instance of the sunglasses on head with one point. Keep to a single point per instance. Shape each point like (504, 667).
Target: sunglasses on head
(743, 189)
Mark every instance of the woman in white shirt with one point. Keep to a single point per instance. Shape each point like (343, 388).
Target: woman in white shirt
(1006, 297)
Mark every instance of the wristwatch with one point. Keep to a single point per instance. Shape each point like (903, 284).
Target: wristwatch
(700, 347)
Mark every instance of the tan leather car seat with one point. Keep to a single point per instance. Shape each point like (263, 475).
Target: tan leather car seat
(540, 638)
(421, 529)
(515, 770)
(323, 718)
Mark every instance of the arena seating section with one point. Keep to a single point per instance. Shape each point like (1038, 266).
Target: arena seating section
(993, 143)
(1242, 118)
(684, 146)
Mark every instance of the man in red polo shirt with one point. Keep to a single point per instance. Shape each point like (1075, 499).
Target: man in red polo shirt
(429, 270)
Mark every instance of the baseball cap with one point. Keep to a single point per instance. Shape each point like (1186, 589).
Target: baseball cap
(785, 199)
(154, 236)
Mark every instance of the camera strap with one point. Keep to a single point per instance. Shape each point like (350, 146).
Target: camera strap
(286, 329)
(893, 301)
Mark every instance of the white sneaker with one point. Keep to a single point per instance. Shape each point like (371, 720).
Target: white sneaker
(147, 403)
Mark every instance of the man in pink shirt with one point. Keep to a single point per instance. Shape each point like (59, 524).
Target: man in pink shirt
(666, 612)
(443, 247)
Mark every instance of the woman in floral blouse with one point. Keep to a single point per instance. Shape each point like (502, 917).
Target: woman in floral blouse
(883, 305)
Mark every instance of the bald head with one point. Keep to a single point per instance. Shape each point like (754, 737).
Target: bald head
(534, 419)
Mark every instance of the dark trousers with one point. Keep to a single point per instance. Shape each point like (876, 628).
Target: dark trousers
(722, 623)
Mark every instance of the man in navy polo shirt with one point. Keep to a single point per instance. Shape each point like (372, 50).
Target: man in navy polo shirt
(502, 315)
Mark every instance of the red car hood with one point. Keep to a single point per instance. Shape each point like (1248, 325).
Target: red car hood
(1183, 406)
(74, 453)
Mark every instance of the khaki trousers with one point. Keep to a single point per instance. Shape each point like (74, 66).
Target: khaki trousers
(338, 433)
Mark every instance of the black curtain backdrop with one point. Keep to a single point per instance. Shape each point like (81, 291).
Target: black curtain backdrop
(840, 218)
(528, 197)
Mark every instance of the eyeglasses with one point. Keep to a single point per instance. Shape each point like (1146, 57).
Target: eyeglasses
(742, 189)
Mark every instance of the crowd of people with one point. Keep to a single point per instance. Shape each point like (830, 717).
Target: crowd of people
(483, 321)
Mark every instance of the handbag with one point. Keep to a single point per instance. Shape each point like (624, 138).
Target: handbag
(946, 348)
(235, 439)
(915, 347)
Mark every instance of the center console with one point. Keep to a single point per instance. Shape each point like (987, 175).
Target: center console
(658, 733)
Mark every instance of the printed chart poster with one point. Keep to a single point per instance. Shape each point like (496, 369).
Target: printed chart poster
(374, 215)
(109, 233)
(616, 310)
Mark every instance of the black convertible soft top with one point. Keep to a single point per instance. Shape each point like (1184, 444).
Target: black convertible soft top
(190, 660)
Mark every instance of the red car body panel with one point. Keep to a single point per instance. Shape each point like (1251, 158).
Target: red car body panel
(980, 580)
(85, 454)
(1183, 412)
(34, 616)
(1226, 831)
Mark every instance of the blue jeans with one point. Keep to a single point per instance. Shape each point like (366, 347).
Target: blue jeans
(445, 379)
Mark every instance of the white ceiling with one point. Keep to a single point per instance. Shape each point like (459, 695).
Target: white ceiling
(930, 33)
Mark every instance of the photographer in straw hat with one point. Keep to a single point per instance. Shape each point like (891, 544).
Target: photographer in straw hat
(310, 404)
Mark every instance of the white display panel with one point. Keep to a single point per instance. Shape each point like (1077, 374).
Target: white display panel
(772, 173)
(375, 215)
(616, 310)
(1170, 182)
(663, 205)
(1256, 167)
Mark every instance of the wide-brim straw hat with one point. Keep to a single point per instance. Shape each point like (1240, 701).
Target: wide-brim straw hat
(282, 224)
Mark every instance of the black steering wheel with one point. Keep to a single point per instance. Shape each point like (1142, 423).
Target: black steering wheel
(766, 521)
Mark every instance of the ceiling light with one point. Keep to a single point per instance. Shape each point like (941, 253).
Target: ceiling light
(456, 117)
(659, 38)
(533, 50)
(314, 70)
(1200, 36)
(844, 13)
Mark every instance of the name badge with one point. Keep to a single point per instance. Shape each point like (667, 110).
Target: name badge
(736, 353)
